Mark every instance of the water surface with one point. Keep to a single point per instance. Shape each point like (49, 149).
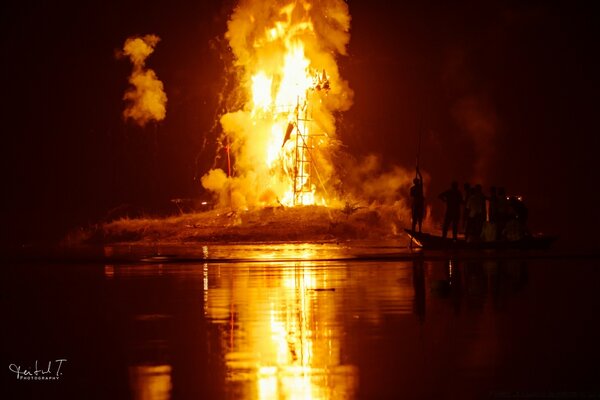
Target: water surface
(345, 329)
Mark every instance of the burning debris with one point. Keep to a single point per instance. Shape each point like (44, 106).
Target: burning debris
(283, 138)
(145, 98)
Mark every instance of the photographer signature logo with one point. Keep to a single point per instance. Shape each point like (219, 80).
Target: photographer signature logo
(39, 371)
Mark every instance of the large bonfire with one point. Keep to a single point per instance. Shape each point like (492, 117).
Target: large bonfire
(281, 140)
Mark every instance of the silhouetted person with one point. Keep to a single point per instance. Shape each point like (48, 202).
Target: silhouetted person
(453, 199)
(490, 230)
(514, 229)
(520, 209)
(493, 205)
(516, 226)
(502, 212)
(417, 201)
(465, 214)
(476, 206)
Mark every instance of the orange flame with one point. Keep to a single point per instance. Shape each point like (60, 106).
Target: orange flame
(282, 138)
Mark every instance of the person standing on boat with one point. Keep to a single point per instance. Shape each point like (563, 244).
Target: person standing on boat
(502, 212)
(476, 206)
(516, 227)
(417, 201)
(492, 209)
(490, 228)
(465, 214)
(453, 199)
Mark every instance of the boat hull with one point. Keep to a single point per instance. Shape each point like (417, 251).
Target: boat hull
(433, 242)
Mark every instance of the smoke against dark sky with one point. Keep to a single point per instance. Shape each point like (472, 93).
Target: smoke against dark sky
(504, 92)
(145, 98)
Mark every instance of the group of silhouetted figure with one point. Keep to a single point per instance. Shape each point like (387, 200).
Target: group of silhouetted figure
(481, 217)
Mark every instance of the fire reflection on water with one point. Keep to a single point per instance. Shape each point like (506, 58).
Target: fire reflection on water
(150, 382)
(290, 330)
(283, 334)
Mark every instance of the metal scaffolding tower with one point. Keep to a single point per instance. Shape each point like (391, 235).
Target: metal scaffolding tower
(306, 143)
(303, 165)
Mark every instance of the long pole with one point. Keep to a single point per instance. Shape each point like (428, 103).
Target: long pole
(297, 163)
(417, 172)
(227, 148)
(419, 148)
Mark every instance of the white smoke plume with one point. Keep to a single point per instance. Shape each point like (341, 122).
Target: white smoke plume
(262, 36)
(368, 185)
(145, 98)
(366, 181)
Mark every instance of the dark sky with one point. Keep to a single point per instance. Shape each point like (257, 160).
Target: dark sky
(505, 93)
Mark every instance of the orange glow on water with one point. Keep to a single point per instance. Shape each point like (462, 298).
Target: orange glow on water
(150, 382)
(287, 341)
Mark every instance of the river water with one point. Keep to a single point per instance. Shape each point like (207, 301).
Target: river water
(287, 323)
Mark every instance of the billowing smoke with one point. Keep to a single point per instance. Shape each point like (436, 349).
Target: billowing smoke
(145, 98)
(366, 184)
(366, 180)
(285, 63)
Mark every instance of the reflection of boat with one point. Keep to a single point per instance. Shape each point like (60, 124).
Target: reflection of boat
(434, 242)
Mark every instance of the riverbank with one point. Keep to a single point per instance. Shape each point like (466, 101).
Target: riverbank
(269, 224)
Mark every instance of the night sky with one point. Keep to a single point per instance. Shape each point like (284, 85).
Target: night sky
(505, 94)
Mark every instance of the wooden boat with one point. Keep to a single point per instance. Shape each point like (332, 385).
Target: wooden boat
(434, 242)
